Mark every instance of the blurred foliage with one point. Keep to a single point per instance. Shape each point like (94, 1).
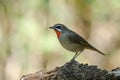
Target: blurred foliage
(28, 45)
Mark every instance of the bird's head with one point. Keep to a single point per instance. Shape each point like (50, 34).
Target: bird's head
(59, 29)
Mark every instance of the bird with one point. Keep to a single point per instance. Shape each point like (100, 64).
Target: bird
(71, 41)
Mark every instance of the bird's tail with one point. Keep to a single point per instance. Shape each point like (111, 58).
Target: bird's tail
(93, 48)
(99, 51)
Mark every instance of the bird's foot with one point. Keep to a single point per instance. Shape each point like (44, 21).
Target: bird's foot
(72, 59)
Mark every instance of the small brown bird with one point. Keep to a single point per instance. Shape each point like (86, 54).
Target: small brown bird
(71, 40)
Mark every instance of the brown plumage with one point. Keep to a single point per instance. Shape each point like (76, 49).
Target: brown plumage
(71, 40)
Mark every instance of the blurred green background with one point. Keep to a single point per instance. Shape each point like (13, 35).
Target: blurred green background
(28, 45)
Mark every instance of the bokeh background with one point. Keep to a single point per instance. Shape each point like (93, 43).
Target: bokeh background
(28, 45)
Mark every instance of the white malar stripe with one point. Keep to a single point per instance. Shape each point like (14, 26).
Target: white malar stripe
(59, 29)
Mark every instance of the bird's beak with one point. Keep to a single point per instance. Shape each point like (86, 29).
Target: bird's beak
(51, 27)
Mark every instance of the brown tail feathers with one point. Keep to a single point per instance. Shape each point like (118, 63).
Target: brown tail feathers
(97, 50)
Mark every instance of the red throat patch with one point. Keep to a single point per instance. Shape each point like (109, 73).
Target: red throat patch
(58, 33)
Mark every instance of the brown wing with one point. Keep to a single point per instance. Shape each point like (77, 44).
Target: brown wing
(75, 38)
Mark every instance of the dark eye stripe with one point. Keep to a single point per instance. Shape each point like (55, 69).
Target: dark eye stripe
(58, 27)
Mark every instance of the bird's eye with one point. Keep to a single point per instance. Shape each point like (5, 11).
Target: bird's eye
(58, 27)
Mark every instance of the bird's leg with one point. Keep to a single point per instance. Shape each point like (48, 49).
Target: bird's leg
(76, 55)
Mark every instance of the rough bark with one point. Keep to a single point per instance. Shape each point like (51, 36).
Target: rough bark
(74, 71)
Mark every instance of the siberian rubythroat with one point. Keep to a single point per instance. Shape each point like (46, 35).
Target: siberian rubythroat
(71, 40)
